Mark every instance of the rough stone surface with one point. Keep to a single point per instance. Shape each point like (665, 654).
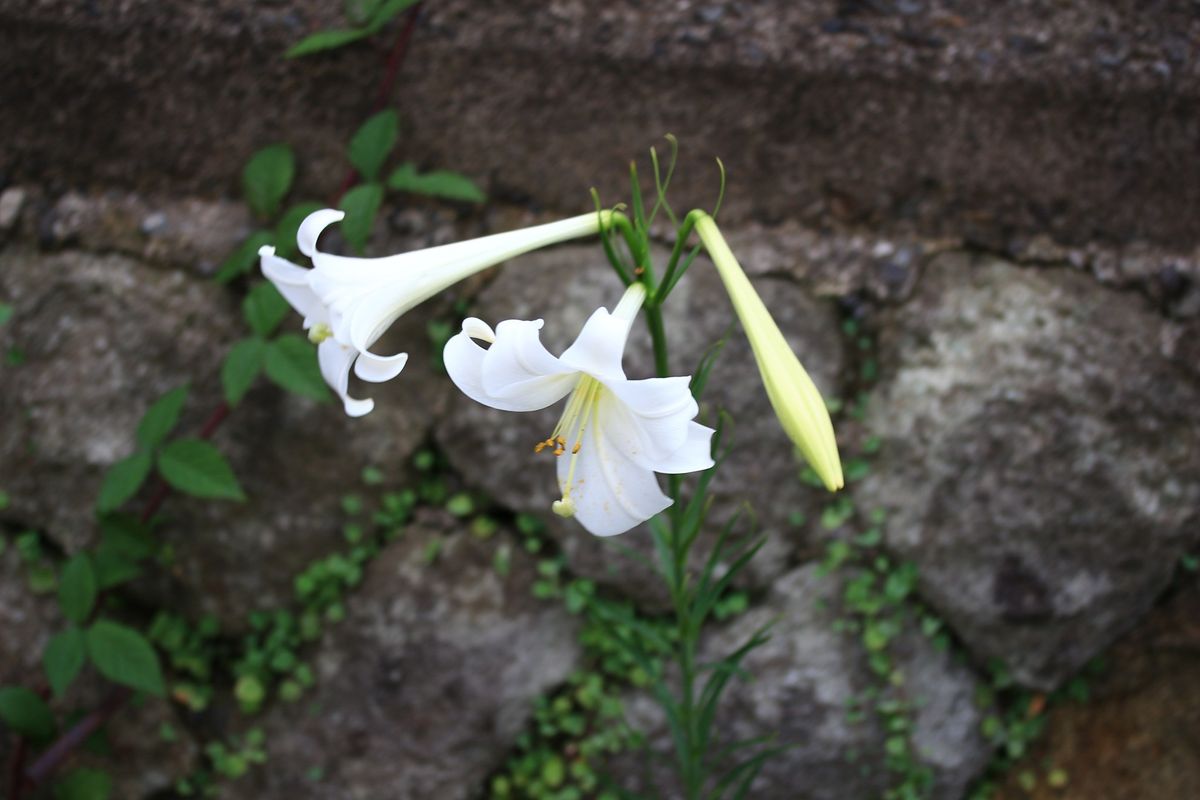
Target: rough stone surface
(1132, 739)
(804, 680)
(1039, 458)
(104, 335)
(97, 339)
(494, 449)
(424, 686)
(1075, 118)
(28, 621)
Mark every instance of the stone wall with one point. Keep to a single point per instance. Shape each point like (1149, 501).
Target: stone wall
(1001, 195)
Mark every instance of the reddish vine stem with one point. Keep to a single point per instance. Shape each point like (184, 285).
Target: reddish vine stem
(58, 752)
(21, 780)
(391, 71)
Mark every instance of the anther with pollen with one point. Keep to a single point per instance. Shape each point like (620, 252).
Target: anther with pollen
(557, 442)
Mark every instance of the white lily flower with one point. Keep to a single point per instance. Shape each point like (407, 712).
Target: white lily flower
(614, 433)
(348, 303)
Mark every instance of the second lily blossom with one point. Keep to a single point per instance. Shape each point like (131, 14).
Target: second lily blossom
(348, 303)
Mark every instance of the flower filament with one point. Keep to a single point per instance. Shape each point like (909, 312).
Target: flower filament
(573, 422)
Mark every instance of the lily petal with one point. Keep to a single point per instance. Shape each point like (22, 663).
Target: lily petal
(518, 365)
(292, 282)
(694, 455)
(648, 419)
(611, 493)
(335, 360)
(466, 363)
(600, 347)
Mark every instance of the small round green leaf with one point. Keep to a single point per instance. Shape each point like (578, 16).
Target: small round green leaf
(267, 178)
(27, 714)
(124, 656)
(197, 468)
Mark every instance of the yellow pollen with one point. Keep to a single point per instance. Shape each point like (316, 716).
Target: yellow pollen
(319, 333)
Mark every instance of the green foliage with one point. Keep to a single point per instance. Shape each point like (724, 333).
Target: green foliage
(84, 784)
(264, 308)
(267, 178)
(196, 467)
(373, 142)
(26, 714)
(291, 362)
(161, 418)
(64, 658)
(242, 365)
(245, 256)
(361, 204)
(77, 589)
(123, 480)
(125, 657)
(125, 543)
(368, 17)
(6, 313)
(438, 183)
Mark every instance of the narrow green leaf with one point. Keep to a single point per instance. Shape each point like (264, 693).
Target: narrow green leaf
(161, 418)
(124, 656)
(361, 204)
(6, 312)
(374, 140)
(241, 367)
(243, 258)
(84, 784)
(197, 468)
(439, 183)
(122, 481)
(291, 362)
(387, 11)
(264, 308)
(326, 40)
(63, 659)
(77, 588)
(289, 224)
(27, 714)
(267, 178)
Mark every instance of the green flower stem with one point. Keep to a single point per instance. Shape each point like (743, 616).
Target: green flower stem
(691, 766)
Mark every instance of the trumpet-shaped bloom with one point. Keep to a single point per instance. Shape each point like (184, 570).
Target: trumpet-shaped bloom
(614, 433)
(348, 303)
(796, 400)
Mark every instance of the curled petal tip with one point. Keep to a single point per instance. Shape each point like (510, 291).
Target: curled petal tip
(310, 229)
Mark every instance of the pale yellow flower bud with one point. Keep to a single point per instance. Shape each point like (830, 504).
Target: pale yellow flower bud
(796, 400)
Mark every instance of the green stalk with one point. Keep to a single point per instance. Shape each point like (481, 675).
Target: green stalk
(691, 766)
